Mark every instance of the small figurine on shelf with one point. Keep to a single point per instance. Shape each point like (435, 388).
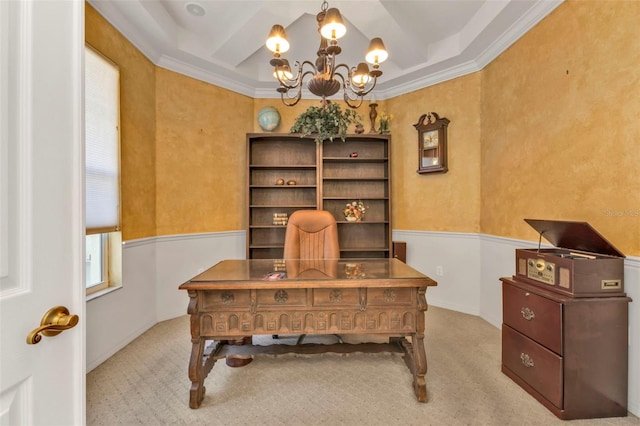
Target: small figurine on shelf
(373, 114)
(354, 211)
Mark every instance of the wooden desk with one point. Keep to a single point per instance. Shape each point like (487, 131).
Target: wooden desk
(233, 300)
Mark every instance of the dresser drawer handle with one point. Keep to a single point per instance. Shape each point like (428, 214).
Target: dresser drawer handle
(527, 361)
(527, 314)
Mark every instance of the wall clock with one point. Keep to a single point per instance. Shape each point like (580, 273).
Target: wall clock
(432, 143)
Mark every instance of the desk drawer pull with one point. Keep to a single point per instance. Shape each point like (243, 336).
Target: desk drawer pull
(281, 296)
(336, 295)
(227, 298)
(527, 361)
(390, 295)
(527, 314)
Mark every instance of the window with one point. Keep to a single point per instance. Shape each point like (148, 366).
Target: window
(102, 173)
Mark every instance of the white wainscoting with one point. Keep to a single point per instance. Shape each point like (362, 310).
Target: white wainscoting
(470, 264)
(153, 268)
(182, 257)
(115, 319)
(457, 256)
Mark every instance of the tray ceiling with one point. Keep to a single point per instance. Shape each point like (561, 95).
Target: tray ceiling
(428, 41)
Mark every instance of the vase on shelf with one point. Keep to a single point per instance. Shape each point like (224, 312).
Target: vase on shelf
(352, 219)
(385, 123)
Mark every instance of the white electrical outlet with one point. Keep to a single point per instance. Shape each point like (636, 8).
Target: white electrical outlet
(439, 271)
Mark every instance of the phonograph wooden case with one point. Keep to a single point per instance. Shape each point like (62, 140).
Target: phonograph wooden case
(582, 264)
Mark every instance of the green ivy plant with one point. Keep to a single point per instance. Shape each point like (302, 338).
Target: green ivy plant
(325, 123)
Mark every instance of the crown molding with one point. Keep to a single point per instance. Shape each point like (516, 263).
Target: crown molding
(126, 27)
(172, 64)
(529, 20)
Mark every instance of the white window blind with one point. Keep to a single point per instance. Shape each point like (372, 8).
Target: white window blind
(102, 143)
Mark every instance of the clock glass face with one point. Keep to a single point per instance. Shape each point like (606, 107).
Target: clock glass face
(430, 139)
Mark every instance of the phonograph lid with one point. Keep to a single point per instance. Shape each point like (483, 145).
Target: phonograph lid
(574, 235)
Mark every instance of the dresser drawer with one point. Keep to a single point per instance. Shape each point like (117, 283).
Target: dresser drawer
(535, 364)
(534, 316)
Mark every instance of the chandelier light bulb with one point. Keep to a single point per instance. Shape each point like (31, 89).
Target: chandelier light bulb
(277, 40)
(377, 53)
(333, 27)
(361, 75)
(283, 72)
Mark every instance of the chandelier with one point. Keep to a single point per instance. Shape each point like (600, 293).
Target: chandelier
(325, 77)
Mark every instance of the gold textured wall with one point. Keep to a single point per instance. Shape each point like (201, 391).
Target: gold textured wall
(560, 125)
(137, 124)
(440, 202)
(547, 130)
(200, 155)
(437, 201)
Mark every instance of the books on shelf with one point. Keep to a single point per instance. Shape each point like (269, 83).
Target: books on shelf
(280, 219)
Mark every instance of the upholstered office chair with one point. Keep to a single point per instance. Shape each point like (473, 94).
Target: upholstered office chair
(312, 237)
(311, 234)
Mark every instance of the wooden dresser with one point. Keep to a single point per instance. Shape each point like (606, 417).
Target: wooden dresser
(565, 323)
(571, 354)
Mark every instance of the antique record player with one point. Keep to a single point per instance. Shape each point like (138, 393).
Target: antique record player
(582, 264)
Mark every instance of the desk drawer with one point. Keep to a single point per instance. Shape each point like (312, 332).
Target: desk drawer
(343, 297)
(281, 297)
(390, 296)
(535, 364)
(224, 299)
(534, 316)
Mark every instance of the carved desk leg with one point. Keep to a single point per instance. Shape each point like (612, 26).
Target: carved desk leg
(420, 361)
(196, 373)
(200, 363)
(415, 356)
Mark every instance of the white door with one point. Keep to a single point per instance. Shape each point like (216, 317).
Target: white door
(41, 209)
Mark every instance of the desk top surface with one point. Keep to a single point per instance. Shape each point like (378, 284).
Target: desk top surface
(315, 273)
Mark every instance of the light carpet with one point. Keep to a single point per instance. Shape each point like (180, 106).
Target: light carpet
(146, 383)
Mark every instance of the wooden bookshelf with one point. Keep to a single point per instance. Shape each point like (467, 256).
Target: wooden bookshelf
(326, 177)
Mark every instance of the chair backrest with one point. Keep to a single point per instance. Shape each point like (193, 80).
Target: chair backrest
(311, 234)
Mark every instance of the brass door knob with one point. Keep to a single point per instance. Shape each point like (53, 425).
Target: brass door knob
(55, 321)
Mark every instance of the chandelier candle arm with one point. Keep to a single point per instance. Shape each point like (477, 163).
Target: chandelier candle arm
(326, 78)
